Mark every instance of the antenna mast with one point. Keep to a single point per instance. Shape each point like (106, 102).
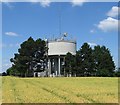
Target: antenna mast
(60, 19)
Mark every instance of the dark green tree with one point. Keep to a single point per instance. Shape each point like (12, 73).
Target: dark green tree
(103, 61)
(4, 74)
(31, 54)
(40, 58)
(70, 64)
(9, 71)
(85, 61)
(117, 73)
(12, 71)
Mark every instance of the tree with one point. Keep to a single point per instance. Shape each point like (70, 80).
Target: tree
(40, 55)
(70, 64)
(117, 72)
(8, 71)
(21, 60)
(12, 71)
(80, 71)
(4, 74)
(85, 61)
(103, 61)
(31, 54)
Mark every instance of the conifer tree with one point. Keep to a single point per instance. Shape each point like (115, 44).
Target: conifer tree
(85, 60)
(104, 62)
(31, 54)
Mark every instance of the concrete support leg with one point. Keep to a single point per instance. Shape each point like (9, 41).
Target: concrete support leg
(59, 65)
(49, 67)
(34, 74)
(56, 66)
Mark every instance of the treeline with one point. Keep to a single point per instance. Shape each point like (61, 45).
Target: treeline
(90, 62)
(32, 56)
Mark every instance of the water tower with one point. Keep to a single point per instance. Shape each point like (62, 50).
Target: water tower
(57, 49)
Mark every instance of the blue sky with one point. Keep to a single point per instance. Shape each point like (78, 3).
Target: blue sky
(92, 22)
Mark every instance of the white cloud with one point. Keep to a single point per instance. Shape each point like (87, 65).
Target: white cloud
(43, 3)
(78, 2)
(92, 31)
(114, 12)
(109, 24)
(92, 44)
(11, 34)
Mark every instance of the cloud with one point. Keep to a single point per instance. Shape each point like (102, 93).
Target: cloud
(43, 3)
(114, 12)
(11, 34)
(78, 2)
(92, 31)
(92, 44)
(109, 24)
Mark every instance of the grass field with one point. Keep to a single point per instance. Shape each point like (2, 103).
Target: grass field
(59, 90)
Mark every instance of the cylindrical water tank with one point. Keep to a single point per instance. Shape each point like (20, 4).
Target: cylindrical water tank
(61, 47)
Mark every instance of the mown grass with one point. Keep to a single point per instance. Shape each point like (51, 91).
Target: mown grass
(60, 90)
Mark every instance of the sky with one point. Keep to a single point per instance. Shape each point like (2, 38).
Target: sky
(92, 22)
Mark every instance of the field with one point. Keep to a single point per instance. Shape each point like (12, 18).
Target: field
(59, 90)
